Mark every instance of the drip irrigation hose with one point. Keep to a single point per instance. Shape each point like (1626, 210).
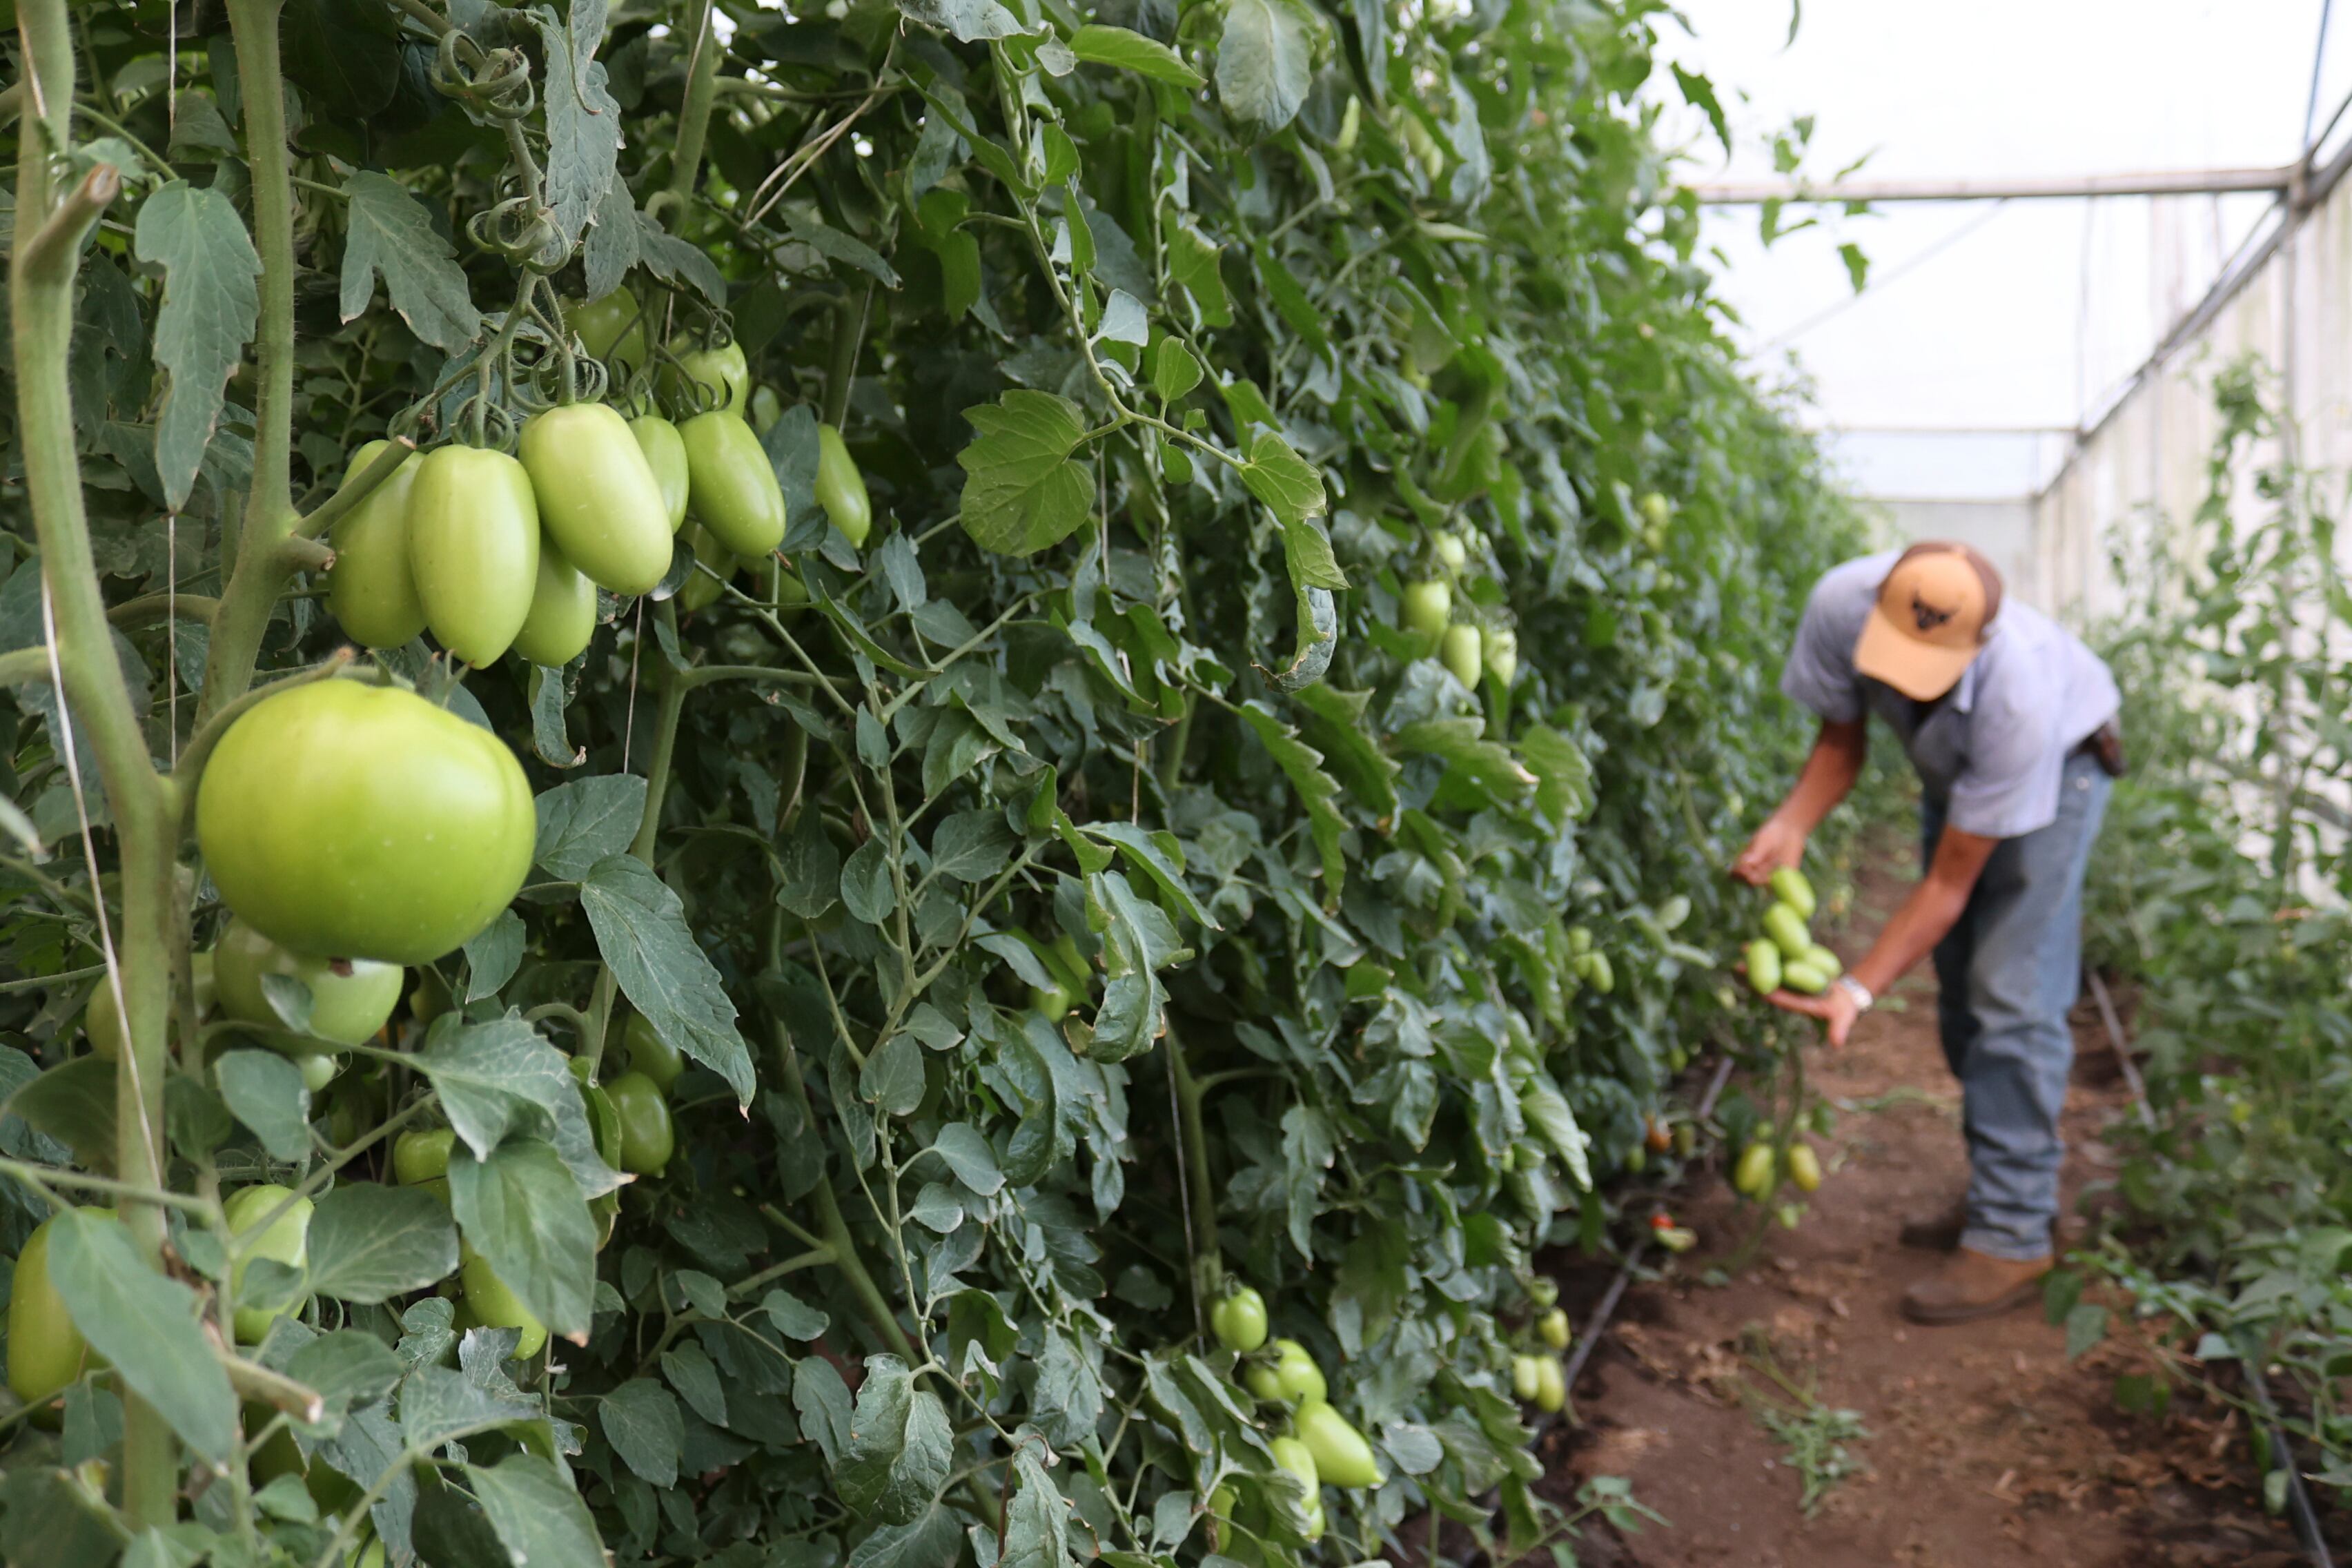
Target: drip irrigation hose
(2301, 1513)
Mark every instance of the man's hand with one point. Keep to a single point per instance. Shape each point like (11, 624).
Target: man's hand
(1777, 843)
(1835, 1007)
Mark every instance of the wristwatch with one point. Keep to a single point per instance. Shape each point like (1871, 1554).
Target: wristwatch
(1857, 989)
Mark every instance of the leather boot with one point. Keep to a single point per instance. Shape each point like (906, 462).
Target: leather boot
(1937, 1230)
(1974, 1285)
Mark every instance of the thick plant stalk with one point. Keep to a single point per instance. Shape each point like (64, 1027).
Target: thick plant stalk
(51, 222)
(263, 561)
(694, 114)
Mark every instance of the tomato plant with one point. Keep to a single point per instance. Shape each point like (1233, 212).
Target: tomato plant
(1076, 832)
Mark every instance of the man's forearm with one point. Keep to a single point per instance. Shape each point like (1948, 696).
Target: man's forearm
(1827, 776)
(1912, 932)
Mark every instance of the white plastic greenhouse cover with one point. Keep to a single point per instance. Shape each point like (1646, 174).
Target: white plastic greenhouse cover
(1988, 332)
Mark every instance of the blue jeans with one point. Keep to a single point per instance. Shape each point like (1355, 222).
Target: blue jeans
(2006, 974)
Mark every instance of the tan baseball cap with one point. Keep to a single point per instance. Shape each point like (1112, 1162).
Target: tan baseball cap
(1934, 610)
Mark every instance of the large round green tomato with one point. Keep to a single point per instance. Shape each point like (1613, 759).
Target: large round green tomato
(611, 329)
(500, 1308)
(665, 452)
(473, 544)
(708, 378)
(46, 1352)
(371, 588)
(350, 997)
(284, 1238)
(421, 1156)
(352, 821)
(1428, 607)
(651, 1055)
(647, 1138)
(840, 487)
(599, 502)
(562, 611)
(732, 484)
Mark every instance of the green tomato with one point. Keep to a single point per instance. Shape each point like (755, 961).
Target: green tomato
(350, 998)
(473, 544)
(650, 1054)
(1800, 976)
(371, 588)
(841, 488)
(611, 329)
(1804, 1167)
(1753, 1176)
(1297, 1372)
(1459, 650)
(1786, 927)
(1053, 1001)
(702, 589)
(1428, 607)
(1763, 966)
(1818, 957)
(708, 378)
(562, 616)
(1552, 1327)
(421, 1156)
(1342, 1458)
(46, 1352)
(353, 821)
(599, 502)
(1239, 1321)
(732, 486)
(1295, 1456)
(101, 1021)
(1551, 1386)
(493, 1304)
(1502, 655)
(647, 1136)
(1526, 1375)
(265, 1224)
(1452, 554)
(1263, 1381)
(318, 1069)
(765, 408)
(1792, 888)
(665, 452)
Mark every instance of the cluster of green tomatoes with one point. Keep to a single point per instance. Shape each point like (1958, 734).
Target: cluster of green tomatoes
(1322, 1448)
(1537, 1376)
(1787, 954)
(1465, 648)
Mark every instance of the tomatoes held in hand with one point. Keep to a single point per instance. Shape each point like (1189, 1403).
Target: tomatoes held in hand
(732, 486)
(371, 588)
(650, 1054)
(708, 378)
(473, 544)
(350, 997)
(1239, 1321)
(343, 820)
(665, 452)
(647, 1138)
(841, 488)
(265, 1224)
(562, 611)
(46, 1352)
(599, 502)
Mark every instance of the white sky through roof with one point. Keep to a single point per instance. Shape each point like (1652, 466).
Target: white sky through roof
(2003, 320)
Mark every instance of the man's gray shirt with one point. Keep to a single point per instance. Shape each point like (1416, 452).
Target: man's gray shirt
(1993, 748)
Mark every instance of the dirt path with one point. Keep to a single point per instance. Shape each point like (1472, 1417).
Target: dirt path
(1985, 1444)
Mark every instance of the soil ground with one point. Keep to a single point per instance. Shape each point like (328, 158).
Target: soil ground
(1987, 1445)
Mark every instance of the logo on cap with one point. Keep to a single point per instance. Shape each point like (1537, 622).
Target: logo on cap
(1927, 616)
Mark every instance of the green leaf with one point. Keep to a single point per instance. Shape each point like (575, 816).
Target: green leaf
(1699, 93)
(972, 846)
(642, 1422)
(211, 300)
(641, 930)
(494, 955)
(1159, 856)
(501, 1076)
(892, 1078)
(147, 1324)
(370, 1242)
(900, 1443)
(1023, 491)
(537, 1513)
(1551, 1118)
(73, 1102)
(582, 822)
(866, 890)
(794, 1318)
(584, 125)
(2086, 1325)
(1266, 59)
(1318, 791)
(1174, 371)
(1564, 775)
(1195, 261)
(676, 260)
(265, 1091)
(1857, 265)
(436, 1405)
(1291, 488)
(1102, 45)
(968, 1155)
(60, 1519)
(835, 246)
(1037, 1525)
(971, 21)
(520, 1209)
(935, 1538)
(391, 235)
(1462, 742)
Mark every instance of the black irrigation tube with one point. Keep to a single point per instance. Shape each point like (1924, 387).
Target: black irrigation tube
(2300, 1511)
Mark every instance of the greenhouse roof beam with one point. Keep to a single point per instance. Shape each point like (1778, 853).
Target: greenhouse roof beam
(2153, 183)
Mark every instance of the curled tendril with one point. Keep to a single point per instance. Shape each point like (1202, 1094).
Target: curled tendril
(493, 83)
(493, 423)
(520, 230)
